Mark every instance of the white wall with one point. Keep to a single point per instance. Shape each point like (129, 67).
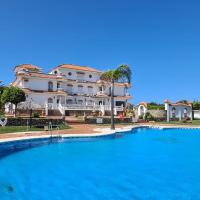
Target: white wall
(41, 84)
(196, 114)
(95, 76)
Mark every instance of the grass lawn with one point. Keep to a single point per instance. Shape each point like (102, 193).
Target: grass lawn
(194, 122)
(13, 129)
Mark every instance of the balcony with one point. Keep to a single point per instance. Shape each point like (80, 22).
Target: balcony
(101, 93)
(60, 89)
(91, 107)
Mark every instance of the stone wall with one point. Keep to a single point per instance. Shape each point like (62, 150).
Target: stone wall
(158, 113)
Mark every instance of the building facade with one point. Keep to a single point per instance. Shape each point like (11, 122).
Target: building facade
(178, 110)
(68, 88)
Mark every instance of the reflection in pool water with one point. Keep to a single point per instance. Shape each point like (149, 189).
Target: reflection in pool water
(148, 164)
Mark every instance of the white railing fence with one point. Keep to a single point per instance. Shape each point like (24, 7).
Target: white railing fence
(61, 109)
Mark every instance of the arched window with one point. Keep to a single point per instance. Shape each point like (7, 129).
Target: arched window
(58, 85)
(50, 100)
(185, 111)
(50, 86)
(141, 112)
(101, 102)
(173, 112)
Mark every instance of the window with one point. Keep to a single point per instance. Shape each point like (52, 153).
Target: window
(58, 85)
(101, 103)
(120, 103)
(110, 91)
(102, 88)
(55, 72)
(80, 101)
(69, 88)
(90, 89)
(80, 88)
(50, 86)
(185, 112)
(82, 73)
(69, 101)
(90, 76)
(90, 102)
(69, 73)
(80, 76)
(173, 112)
(50, 100)
(141, 110)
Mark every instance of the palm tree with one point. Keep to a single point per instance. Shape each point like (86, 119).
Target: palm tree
(121, 74)
(1, 91)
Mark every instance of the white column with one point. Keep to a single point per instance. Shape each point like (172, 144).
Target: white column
(167, 108)
(180, 115)
(46, 109)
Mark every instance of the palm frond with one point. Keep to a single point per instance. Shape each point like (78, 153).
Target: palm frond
(107, 76)
(124, 73)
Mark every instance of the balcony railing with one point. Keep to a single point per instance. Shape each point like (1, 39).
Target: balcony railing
(91, 107)
(84, 107)
(101, 93)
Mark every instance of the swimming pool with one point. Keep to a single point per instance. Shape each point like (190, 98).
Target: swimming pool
(142, 164)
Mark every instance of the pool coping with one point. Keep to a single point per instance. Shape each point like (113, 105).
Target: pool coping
(101, 132)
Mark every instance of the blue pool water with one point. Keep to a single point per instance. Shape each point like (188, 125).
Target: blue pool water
(144, 164)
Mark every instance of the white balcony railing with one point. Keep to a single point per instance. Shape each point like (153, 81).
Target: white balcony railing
(63, 107)
(91, 107)
(101, 93)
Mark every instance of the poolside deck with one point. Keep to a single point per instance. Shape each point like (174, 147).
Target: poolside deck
(81, 129)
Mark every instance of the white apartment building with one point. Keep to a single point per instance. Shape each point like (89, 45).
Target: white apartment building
(68, 88)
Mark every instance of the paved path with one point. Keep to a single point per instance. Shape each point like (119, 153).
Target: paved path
(79, 129)
(75, 129)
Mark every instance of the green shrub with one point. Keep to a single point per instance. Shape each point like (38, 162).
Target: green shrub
(148, 117)
(36, 115)
(196, 105)
(141, 117)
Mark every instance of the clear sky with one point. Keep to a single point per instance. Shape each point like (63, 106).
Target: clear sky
(160, 40)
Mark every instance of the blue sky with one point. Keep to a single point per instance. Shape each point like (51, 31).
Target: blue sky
(160, 40)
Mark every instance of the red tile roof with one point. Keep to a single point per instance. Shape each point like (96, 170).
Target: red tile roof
(178, 103)
(77, 67)
(27, 66)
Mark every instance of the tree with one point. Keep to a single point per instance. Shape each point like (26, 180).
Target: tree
(196, 105)
(121, 74)
(13, 95)
(155, 106)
